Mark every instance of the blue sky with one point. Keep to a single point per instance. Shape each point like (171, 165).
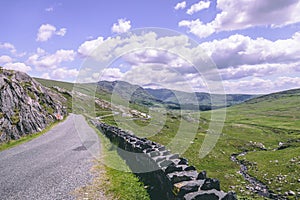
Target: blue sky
(254, 44)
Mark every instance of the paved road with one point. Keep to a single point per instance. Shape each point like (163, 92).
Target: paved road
(51, 166)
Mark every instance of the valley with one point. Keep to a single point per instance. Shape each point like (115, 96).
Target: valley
(267, 128)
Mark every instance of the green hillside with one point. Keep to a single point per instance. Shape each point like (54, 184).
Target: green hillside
(258, 127)
(50, 83)
(277, 110)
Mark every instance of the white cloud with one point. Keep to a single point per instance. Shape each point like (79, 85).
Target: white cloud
(242, 50)
(46, 31)
(238, 58)
(109, 74)
(18, 66)
(197, 27)
(49, 9)
(122, 26)
(63, 73)
(180, 5)
(261, 85)
(61, 32)
(5, 59)
(241, 14)
(45, 76)
(201, 5)
(8, 46)
(87, 48)
(259, 70)
(42, 60)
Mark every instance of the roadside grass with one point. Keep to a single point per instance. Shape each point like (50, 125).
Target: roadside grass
(116, 180)
(27, 138)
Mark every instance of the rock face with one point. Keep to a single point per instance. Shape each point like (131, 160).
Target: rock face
(26, 106)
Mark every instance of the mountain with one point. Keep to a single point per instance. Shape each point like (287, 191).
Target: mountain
(190, 100)
(153, 97)
(26, 106)
(127, 91)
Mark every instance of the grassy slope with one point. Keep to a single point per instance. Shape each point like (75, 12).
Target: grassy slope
(268, 120)
(51, 83)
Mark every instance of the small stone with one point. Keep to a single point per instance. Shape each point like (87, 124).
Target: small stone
(230, 196)
(201, 175)
(291, 193)
(211, 183)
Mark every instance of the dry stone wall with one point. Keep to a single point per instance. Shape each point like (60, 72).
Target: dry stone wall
(168, 175)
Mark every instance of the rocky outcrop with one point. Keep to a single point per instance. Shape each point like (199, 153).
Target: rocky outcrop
(26, 106)
(169, 176)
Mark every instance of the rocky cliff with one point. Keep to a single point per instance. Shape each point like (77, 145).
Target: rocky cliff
(26, 106)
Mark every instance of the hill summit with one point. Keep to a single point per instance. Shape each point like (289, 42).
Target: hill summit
(26, 106)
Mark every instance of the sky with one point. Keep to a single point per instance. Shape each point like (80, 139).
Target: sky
(253, 44)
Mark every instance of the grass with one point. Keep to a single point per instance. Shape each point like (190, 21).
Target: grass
(116, 180)
(284, 173)
(51, 83)
(27, 138)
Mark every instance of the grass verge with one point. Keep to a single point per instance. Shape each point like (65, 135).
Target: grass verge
(113, 177)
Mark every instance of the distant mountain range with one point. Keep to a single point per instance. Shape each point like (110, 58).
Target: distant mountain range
(171, 99)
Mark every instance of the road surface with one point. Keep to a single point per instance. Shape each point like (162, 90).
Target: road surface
(51, 166)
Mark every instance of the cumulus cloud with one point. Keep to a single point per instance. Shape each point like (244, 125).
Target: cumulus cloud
(197, 27)
(109, 74)
(201, 5)
(46, 31)
(259, 70)
(64, 73)
(18, 66)
(61, 32)
(8, 46)
(5, 59)
(180, 5)
(122, 26)
(87, 48)
(157, 75)
(239, 50)
(241, 14)
(237, 58)
(42, 60)
(262, 85)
